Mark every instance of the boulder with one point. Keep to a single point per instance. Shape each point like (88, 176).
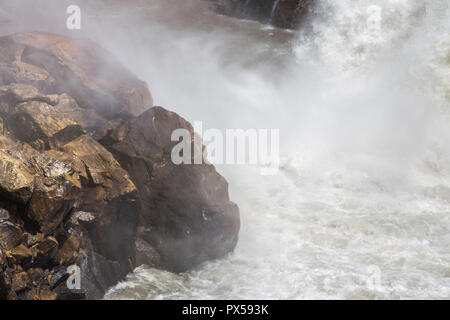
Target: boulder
(83, 70)
(185, 214)
(10, 235)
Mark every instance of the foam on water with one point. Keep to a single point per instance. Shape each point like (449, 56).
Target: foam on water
(361, 205)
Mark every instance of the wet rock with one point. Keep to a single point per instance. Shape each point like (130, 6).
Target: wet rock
(95, 269)
(146, 254)
(44, 251)
(10, 235)
(4, 215)
(3, 261)
(37, 276)
(44, 121)
(16, 93)
(47, 126)
(31, 294)
(32, 239)
(72, 161)
(112, 199)
(16, 180)
(4, 288)
(68, 252)
(20, 255)
(14, 70)
(84, 217)
(57, 189)
(58, 277)
(175, 199)
(20, 151)
(84, 70)
(66, 199)
(20, 282)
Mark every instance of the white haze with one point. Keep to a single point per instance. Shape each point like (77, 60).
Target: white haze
(364, 121)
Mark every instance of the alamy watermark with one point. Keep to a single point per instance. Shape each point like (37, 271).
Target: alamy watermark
(73, 22)
(73, 282)
(232, 146)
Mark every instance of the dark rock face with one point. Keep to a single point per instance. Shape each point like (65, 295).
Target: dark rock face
(186, 214)
(86, 177)
(54, 64)
(281, 13)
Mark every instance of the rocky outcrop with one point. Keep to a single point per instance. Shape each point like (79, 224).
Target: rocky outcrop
(86, 178)
(83, 70)
(281, 13)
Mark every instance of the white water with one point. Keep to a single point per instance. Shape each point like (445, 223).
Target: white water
(361, 205)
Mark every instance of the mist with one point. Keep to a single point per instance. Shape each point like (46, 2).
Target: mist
(365, 137)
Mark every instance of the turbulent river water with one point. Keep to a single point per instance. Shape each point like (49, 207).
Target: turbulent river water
(361, 205)
(360, 208)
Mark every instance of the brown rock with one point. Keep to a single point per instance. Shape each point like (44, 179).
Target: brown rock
(185, 209)
(112, 199)
(4, 288)
(20, 282)
(16, 180)
(14, 70)
(146, 254)
(57, 190)
(31, 295)
(45, 121)
(4, 215)
(17, 149)
(51, 125)
(20, 255)
(84, 70)
(32, 239)
(73, 162)
(37, 276)
(46, 294)
(2, 260)
(10, 235)
(68, 252)
(44, 251)
(102, 168)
